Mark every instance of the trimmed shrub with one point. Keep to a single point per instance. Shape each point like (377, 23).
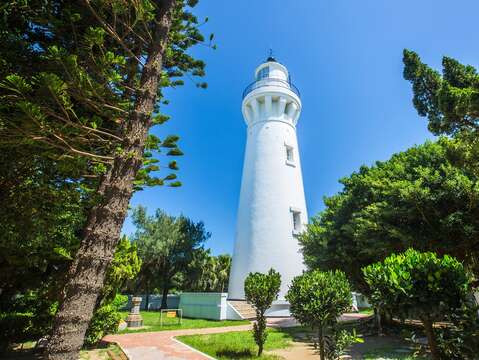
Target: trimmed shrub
(260, 291)
(317, 299)
(419, 285)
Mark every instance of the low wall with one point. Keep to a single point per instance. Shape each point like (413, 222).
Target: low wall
(204, 305)
(154, 302)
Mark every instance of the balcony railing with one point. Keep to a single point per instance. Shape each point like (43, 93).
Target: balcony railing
(270, 82)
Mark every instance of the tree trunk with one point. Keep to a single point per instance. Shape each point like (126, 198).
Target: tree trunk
(431, 339)
(102, 231)
(377, 312)
(164, 298)
(321, 343)
(147, 301)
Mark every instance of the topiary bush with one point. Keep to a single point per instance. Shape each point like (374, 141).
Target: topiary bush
(419, 285)
(317, 299)
(260, 291)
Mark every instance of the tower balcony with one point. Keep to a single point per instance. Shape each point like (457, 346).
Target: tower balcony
(271, 82)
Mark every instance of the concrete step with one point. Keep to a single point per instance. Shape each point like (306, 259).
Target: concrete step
(245, 310)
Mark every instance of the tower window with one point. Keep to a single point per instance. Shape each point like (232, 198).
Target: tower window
(289, 155)
(296, 214)
(263, 73)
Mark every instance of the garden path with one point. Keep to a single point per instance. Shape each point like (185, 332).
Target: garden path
(161, 345)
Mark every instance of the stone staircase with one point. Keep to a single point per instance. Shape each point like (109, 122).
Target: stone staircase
(245, 310)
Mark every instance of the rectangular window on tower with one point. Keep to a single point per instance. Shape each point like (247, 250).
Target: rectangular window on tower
(289, 155)
(296, 215)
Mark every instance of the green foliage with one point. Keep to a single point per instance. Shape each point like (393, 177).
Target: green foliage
(422, 198)
(415, 284)
(70, 71)
(70, 75)
(451, 100)
(338, 341)
(105, 320)
(43, 211)
(419, 285)
(28, 316)
(260, 291)
(166, 246)
(237, 344)
(317, 299)
(461, 339)
(125, 266)
(207, 273)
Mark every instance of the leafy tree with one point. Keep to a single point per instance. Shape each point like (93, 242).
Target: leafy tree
(42, 213)
(80, 81)
(223, 268)
(419, 285)
(317, 299)
(419, 198)
(31, 313)
(166, 245)
(451, 100)
(207, 273)
(260, 291)
(125, 266)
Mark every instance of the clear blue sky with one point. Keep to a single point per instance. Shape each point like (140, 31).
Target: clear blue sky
(344, 56)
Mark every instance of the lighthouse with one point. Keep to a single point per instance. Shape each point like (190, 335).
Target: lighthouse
(272, 207)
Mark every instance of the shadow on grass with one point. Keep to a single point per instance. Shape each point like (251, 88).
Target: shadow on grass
(235, 354)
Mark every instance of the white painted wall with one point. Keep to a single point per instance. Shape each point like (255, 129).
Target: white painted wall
(204, 305)
(271, 186)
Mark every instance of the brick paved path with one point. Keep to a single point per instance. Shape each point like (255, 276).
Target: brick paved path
(161, 345)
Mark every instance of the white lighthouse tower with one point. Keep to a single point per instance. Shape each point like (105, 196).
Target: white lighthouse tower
(272, 207)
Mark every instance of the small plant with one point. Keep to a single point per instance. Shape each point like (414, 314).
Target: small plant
(260, 291)
(419, 285)
(105, 320)
(317, 299)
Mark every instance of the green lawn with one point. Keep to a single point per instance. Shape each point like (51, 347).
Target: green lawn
(151, 322)
(391, 354)
(236, 345)
(367, 311)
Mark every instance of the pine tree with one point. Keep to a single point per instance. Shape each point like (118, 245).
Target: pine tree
(81, 83)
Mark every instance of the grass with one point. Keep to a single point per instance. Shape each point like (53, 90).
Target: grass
(151, 322)
(236, 345)
(391, 353)
(367, 311)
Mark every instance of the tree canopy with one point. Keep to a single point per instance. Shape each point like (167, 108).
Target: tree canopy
(419, 198)
(419, 285)
(166, 245)
(317, 299)
(449, 100)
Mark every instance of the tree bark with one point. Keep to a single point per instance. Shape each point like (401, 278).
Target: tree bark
(377, 313)
(164, 298)
(102, 231)
(431, 339)
(321, 343)
(147, 301)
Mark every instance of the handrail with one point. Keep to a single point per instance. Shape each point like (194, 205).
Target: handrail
(270, 82)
